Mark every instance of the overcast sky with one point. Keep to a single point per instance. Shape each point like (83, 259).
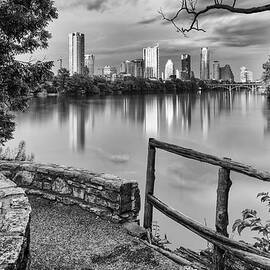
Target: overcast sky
(117, 30)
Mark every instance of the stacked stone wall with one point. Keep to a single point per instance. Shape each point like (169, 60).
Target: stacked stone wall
(14, 226)
(106, 195)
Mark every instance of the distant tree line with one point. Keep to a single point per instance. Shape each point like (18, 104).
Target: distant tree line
(80, 85)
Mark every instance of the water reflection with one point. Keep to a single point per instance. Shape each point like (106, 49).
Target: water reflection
(77, 122)
(110, 134)
(266, 113)
(156, 116)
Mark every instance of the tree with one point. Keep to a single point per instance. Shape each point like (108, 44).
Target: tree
(191, 11)
(266, 72)
(60, 82)
(22, 30)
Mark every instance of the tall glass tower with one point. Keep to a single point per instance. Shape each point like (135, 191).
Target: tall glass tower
(205, 64)
(151, 62)
(185, 66)
(76, 53)
(216, 71)
(169, 69)
(90, 63)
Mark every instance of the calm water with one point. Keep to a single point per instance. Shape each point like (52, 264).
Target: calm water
(110, 134)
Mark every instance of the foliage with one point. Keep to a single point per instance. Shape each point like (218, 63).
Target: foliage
(251, 221)
(18, 154)
(22, 30)
(80, 85)
(156, 238)
(266, 72)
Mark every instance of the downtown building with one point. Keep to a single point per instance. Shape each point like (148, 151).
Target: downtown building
(216, 71)
(169, 69)
(205, 64)
(151, 62)
(185, 67)
(76, 53)
(222, 73)
(134, 68)
(90, 64)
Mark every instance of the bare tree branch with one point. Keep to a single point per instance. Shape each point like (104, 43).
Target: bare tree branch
(189, 7)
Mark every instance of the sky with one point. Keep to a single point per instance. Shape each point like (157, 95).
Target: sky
(117, 30)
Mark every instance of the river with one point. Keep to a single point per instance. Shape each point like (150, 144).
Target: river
(110, 134)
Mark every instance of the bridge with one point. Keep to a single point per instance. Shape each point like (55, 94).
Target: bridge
(254, 86)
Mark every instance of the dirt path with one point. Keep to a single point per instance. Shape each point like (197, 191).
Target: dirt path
(65, 237)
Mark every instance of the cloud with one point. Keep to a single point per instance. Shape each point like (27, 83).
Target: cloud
(150, 20)
(98, 5)
(93, 5)
(239, 31)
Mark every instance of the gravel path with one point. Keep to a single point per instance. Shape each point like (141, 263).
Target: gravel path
(67, 237)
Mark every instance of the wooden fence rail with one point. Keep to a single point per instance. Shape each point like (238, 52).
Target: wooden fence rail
(219, 237)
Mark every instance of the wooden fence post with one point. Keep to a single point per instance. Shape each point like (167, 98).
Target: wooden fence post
(222, 219)
(149, 188)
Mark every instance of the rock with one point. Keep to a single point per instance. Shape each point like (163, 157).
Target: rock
(60, 186)
(78, 193)
(24, 178)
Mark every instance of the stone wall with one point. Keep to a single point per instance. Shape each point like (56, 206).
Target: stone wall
(14, 226)
(106, 195)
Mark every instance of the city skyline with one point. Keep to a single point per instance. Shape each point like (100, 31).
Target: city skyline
(120, 33)
(149, 66)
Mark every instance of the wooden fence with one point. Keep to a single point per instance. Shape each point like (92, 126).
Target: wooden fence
(218, 238)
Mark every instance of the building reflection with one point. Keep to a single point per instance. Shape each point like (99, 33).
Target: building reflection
(151, 121)
(77, 122)
(266, 113)
(155, 115)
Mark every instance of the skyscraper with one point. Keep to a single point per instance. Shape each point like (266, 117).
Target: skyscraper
(138, 68)
(185, 65)
(205, 64)
(151, 62)
(90, 63)
(177, 74)
(216, 71)
(169, 69)
(76, 53)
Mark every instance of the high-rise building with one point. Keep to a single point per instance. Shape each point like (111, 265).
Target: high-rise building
(133, 68)
(246, 75)
(76, 53)
(186, 67)
(226, 73)
(127, 67)
(205, 64)
(177, 74)
(90, 63)
(151, 62)
(123, 68)
(169, 69)
(216, 71)
(138, 68)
